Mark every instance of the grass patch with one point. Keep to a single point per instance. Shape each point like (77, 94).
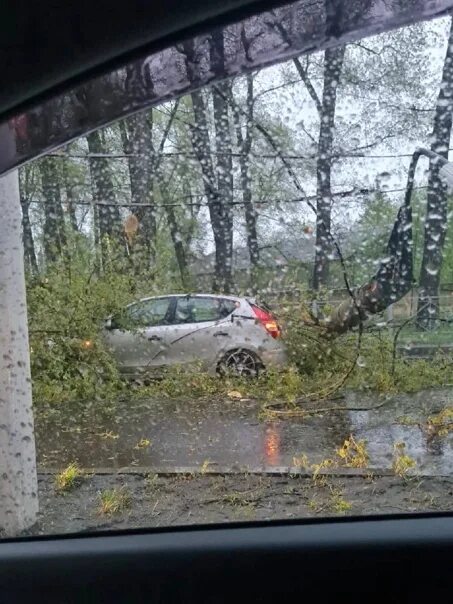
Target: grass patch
(238, 499)
(68, 478)
(439, 337)
(114, 501)
(338, 503)
(441, 423)
(353, 453)
(402, 463)
(143, 443)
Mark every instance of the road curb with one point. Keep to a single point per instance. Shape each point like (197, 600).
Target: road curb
(215, 470)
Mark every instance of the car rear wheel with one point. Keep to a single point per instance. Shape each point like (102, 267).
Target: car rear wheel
(240, 363)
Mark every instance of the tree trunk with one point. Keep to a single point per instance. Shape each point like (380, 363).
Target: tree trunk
(97, 242)
(245, 146)
(333, 62)
(220, 213)
(136, 133)
(436, 211)
(394, 277)
(103, 191)
(178, 245)
(54, 223)
(224, 169)
(69, 184)
(201, 145)
(27, 234)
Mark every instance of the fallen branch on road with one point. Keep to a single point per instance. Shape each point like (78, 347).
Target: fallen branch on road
(271, 411)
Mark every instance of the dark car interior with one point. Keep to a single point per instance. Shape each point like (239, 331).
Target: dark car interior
(46, 48)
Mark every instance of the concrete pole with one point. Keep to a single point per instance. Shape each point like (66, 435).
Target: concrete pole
(18, 480)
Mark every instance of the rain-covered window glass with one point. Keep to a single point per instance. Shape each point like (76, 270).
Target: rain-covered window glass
(240, 297)
(148, 313)
(194, 310)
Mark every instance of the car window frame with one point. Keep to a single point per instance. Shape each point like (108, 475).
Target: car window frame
(171, 305)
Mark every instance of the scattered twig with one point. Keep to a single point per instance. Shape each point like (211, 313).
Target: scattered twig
(312, 411)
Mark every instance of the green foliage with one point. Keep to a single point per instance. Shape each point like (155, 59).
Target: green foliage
(177, 383)
(69, 361)
(316, 370)
(66, 309)
(320, 364)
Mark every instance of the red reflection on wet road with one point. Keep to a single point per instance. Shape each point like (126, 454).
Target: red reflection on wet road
(272, 444)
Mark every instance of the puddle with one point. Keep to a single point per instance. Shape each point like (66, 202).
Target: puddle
(186, 433)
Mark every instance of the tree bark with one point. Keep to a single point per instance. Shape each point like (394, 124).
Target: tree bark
(251, 216)
(27, 231)
(224, 168)
(54, 224)
(137, 137)
(333, 63)
(436, 211)
(201, 145)
(69, 185)
(220, 212)
(27, 235)
(103, 191)
(394, 277)
(178, 245)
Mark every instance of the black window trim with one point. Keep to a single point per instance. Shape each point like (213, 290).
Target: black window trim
(396, 556)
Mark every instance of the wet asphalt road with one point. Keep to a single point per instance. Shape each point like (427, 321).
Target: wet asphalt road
(169, 434)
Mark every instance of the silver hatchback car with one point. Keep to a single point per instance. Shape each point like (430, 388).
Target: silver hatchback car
(222, 334)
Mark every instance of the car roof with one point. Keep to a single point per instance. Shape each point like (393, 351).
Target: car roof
(198, 295)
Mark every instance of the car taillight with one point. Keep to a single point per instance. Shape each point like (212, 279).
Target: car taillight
(268, 321)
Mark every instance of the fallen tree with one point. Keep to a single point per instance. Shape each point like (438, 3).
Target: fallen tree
(394, 277)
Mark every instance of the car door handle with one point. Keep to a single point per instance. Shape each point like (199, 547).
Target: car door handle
(154, 338)
(220, 333)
